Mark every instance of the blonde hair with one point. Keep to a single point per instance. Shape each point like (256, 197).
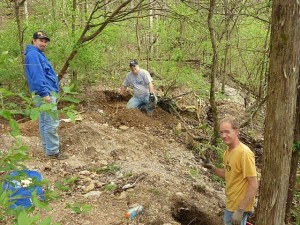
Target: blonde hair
(231, 120)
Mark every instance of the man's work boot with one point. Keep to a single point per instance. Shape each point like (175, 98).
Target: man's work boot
(58, 156)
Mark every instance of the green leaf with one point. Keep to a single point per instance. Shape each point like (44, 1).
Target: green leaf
(79, 208)
(34, 114)
(46, 221)
(71, 115)
(15, 127)
(61, 187)
(4, 199)
(56, 95)
(6, 93)
(69, 107)
(26, 99)
(51, 195)
(75, 207)
(47, 107)
(86, 208)
(23, 218)
(27, 112)
(67, 89)
(36, 201)
(72, 180)
(70, 99)
(5, 114)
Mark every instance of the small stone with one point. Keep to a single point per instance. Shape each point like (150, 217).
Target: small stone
(85, 172)
(123, 195)
(93, 194)
(123, 127)
(99, 184)
(89, 188)
(103, 162)
(179, 194)
(93, 175)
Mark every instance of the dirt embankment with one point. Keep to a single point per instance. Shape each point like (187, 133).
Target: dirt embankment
(111, 146)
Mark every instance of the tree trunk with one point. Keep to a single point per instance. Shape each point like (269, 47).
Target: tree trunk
(227, 37)
(280, 113)
(83, 38)
(26, 12)
(263, 71)
(151, 38)
(214, 70)
(20, 31)
(53, 4)
(294, 162)
(74, 7)
(137, 34)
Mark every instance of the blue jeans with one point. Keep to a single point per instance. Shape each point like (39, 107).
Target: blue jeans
(48, 126)
(228, 217)
(142, 103)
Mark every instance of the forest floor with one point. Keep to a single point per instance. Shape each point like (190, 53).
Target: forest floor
(111, 146)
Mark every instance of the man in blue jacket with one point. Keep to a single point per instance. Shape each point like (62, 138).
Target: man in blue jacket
(42, 81)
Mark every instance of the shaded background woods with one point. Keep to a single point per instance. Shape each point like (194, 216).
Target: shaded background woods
(219, 50)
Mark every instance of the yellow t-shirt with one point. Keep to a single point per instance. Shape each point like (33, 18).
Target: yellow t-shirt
(239, 163)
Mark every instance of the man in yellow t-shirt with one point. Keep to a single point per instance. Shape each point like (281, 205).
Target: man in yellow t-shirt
(239, 173)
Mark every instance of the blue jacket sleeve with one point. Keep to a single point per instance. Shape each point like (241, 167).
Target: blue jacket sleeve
(36, 74)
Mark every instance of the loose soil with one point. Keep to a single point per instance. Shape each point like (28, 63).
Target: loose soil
(111, 146)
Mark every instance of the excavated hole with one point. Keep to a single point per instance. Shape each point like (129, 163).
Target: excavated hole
(187, 214)
(114, 96)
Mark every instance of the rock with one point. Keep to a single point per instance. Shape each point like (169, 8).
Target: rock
(123, 127)
(200, 187)
(178, 129)
(119, 175)
(179, 194)
(89, 188)
(103, 162)
(85, 172)
(123, 195)
(93, 175)
(75, 163)
(99, 184)
(100, 111)
(93, 194)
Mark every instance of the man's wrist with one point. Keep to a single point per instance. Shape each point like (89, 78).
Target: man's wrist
(212, 169)
(241, 210)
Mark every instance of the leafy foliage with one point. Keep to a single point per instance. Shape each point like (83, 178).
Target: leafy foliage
(13, 158)
(79, 208)
(110, 169)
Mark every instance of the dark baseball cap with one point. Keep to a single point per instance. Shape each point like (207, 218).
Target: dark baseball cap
(133, 62)
(41, 35)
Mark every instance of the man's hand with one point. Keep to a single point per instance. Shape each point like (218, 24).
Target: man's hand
(151, 97)
(122, 91)
(118, 97)
(207, 163)
(47, 99)
(237, 217)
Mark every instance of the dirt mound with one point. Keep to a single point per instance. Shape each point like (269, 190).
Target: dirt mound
(111, 147)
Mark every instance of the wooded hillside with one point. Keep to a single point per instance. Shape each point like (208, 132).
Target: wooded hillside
(210, 58)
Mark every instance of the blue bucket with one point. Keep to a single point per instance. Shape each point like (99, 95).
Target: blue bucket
(20, 194)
